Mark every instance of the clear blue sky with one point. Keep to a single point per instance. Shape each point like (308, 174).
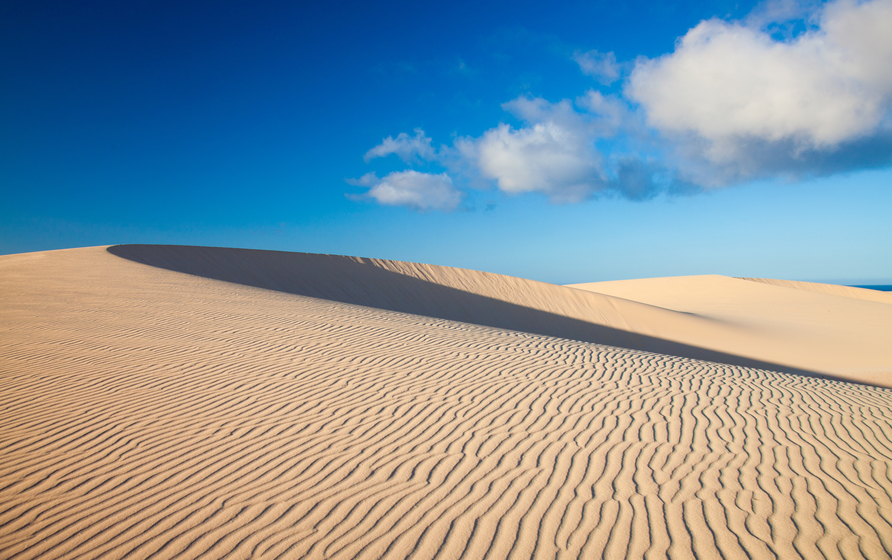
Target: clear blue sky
(580, 142)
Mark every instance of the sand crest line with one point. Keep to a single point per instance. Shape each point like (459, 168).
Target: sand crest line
(585, 313)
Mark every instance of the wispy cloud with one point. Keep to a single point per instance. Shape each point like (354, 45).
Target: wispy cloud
(735, 101)
(419, 191)
(602, 66)
(406, 147)
(460, 67)
(777, 15)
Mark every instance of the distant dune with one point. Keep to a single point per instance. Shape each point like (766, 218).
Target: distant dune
(836, 330)
(832, 289)
(184, 402)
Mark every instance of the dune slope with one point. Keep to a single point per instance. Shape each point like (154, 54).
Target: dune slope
(147, 413)
(832, 289)
(473, 297)
(830, 329)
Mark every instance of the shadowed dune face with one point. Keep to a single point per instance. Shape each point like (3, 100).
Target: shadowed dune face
(447, 293)
(149, 414)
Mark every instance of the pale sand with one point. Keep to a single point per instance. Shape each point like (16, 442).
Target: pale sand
(832, 289)
(836, 330)
(145, 412)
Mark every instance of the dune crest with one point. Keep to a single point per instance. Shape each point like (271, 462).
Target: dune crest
(831, 289)
(147, 413)
(850, 345)
(822, 331)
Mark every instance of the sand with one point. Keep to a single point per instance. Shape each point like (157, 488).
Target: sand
(833, 330)
(286, 405)
(832, 289)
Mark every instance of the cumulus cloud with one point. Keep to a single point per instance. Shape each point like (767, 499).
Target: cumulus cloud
(553, 154)
(777, 15)
(731, 92)
(797, 89)
(611, 114)
(420, 191)
(408, 148)
(543, 158)
(599, 65)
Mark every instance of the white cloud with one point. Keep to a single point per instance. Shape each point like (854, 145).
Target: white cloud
(773, 14)
(730, 88)
(602, 66)
(736, 101)
(610, 112)
(553, 154)
(408, 148)
(368, 180)
(421, 191)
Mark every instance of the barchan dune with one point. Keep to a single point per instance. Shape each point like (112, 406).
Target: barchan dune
(181, 402)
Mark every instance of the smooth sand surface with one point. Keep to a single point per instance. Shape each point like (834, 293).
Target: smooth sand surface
(149, 413)
(836, 330)
(832, 289)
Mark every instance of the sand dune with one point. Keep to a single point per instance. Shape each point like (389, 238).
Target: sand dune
(832, 289)
(816, 327)
(149, 413)
(853, 346)
(445, 293)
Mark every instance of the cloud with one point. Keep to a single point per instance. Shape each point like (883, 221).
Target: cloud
(610, 112)
(420, 191)
(798, 89)
(461, 68)
(552, 154)
(602, 66)
(774, 14)
(408, 148)
(555, 152)
(543, 158)
(731, 92)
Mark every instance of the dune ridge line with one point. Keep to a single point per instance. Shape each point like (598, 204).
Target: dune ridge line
(505, 302)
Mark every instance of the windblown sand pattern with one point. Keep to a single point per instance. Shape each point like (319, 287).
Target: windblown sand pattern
(149, 413)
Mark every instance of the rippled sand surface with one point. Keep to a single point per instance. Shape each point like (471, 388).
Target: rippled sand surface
(149, 413)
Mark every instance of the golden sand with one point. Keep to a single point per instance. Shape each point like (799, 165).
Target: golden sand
(278, 405)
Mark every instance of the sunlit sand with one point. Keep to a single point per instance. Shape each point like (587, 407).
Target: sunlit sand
(180, 402)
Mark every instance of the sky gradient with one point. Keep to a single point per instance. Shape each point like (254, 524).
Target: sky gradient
(583, 142)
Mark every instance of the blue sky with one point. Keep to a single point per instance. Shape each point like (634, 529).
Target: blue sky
(580, 142)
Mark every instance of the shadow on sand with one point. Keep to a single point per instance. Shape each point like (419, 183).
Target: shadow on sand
(360, 282)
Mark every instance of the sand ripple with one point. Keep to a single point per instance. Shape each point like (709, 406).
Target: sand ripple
(147, 413)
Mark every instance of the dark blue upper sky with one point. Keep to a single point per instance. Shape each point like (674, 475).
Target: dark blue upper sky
(240, 124)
